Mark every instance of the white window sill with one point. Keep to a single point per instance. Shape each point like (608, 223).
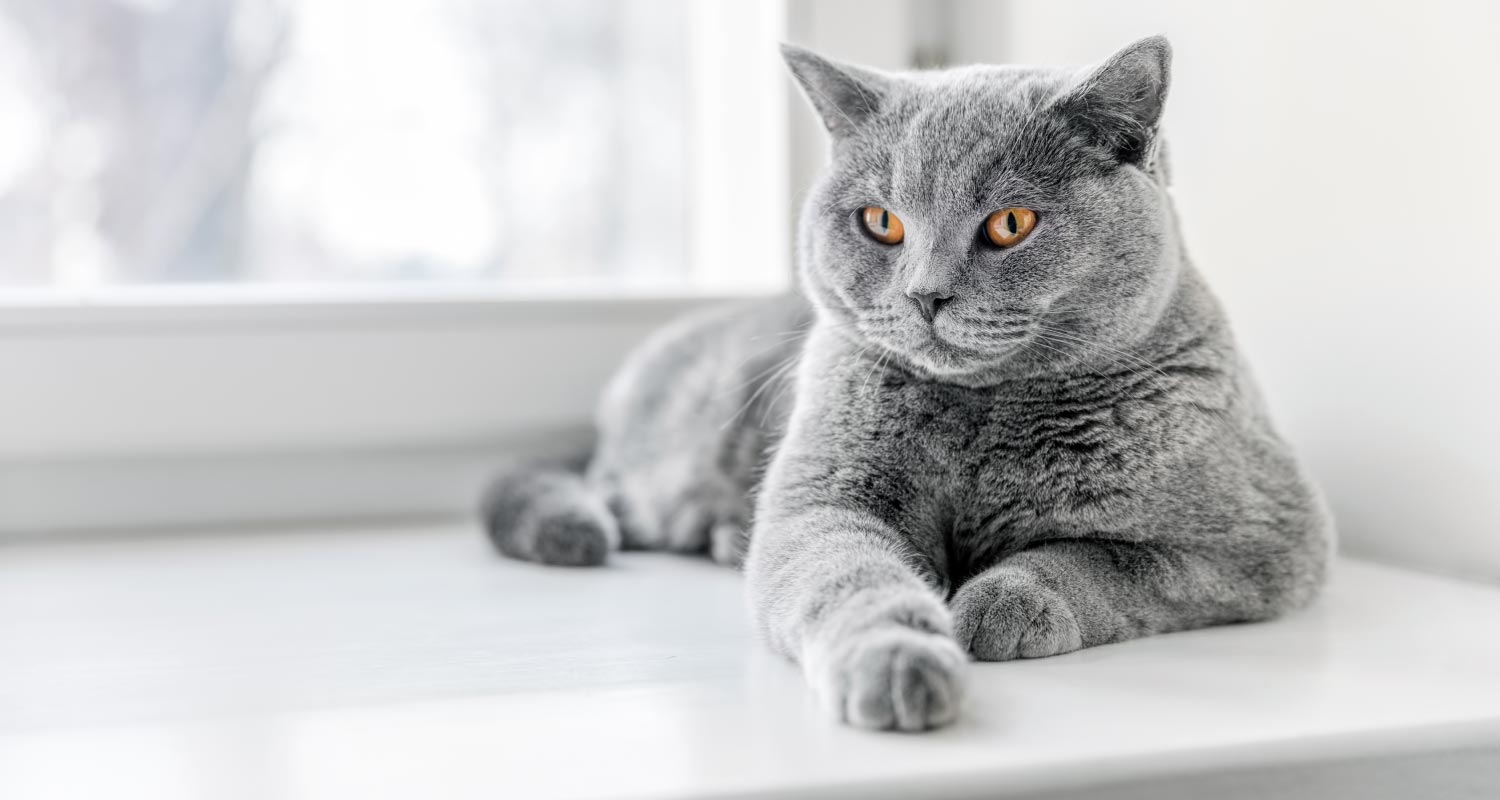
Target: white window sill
(206, 406)
(411, 662)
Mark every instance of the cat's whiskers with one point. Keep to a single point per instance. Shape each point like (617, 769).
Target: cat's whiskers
(796, 330)
(783, 337)
(879, 364)
(1150, 373)
(780, 366)
(1141, 362)
(1074, 310)
(779, 370)
(1131, 370)
(807, 329)
(786, 386)
(1039, 342)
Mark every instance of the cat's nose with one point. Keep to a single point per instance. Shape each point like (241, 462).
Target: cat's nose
(930, 302)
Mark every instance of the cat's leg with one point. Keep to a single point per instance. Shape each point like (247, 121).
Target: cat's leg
(1060, 596)
(549, 515)
(710, 517)
(842, 593)
(679, 511)
(727, 541)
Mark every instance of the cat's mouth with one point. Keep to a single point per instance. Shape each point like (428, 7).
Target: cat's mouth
(982, 339)
(951, 346)
(943, 357)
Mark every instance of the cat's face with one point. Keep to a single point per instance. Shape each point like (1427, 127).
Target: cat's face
(935, 155)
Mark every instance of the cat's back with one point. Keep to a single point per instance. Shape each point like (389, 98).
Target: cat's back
(686, 423)
(697, 367)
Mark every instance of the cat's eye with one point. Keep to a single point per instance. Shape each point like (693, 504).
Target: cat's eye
(1009, 226)
(882, 225)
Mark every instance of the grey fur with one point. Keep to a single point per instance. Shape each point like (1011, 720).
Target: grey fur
(545, 512)
(1070, 453)
(683, 433)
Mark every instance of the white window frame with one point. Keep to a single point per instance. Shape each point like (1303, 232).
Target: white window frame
(149, 407)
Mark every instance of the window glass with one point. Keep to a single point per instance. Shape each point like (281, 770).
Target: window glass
(333, 141)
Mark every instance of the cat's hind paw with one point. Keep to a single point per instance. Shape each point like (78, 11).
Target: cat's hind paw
(1007, 613)
(571, 540)
(550, 518)
(897, 678)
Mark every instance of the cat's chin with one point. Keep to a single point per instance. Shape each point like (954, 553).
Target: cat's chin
(929, 356)
(943, 361)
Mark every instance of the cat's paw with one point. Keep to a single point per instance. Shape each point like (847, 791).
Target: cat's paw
(550, 517)
(571, 540)
(1007, 613)
(897, 678)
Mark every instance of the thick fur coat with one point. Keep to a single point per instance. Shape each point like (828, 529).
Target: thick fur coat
(951, 449)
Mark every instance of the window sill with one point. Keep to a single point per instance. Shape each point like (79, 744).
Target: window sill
(406, 662)
(156, 377)
(44, 313)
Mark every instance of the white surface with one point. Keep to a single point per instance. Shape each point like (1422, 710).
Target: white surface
(410, 662)
(169, 378)
(254, 407)
(106, 408)
(1304, 135)
(127, 496)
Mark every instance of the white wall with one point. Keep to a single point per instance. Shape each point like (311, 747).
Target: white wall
(1338, 172)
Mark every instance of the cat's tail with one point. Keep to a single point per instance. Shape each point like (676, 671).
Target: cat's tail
(542, 510)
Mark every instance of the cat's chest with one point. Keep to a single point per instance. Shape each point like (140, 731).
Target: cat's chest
(1034, 456)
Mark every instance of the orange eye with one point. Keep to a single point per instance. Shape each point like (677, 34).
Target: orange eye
(883, 226)
(1009, 226)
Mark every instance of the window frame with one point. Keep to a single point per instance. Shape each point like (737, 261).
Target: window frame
(147, 406)
(738, 160)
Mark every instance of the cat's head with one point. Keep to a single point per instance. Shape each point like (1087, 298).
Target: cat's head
(976, 220)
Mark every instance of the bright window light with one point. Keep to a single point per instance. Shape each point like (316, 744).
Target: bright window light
(254, 143)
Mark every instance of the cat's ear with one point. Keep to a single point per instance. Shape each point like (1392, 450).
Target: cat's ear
(844, 96)
(1119, 103)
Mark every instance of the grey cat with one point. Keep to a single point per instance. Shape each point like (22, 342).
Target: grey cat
(999, 442)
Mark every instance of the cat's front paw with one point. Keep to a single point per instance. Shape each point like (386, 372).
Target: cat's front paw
(1007, 613)
(897, 678)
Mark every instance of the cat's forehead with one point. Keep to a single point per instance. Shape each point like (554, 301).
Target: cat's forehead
(955, 137)
(983, 89)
